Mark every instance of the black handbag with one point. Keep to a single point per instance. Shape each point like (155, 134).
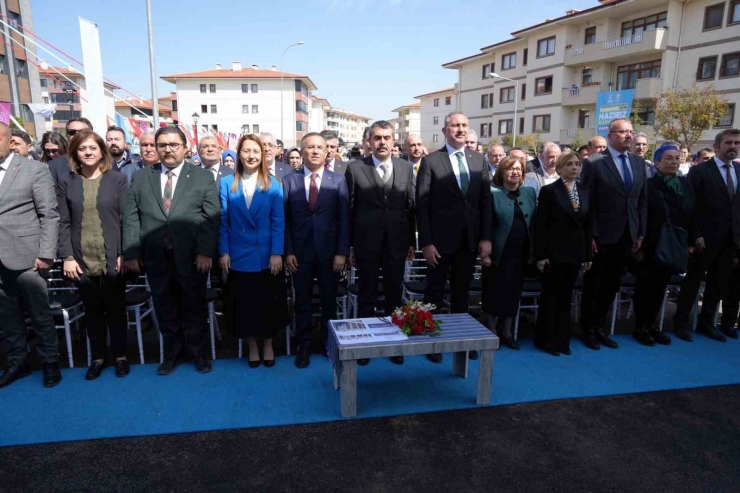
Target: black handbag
(672, 249)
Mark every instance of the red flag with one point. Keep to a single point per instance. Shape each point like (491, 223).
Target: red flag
(135, 127)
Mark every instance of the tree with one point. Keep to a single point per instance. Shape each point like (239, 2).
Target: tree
(683, 114)
(22, 123)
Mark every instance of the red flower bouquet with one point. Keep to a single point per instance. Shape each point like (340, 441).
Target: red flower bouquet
(415, 318)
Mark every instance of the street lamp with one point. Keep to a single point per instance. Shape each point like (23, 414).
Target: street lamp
(281, 86)
(515, 123)
(196, 117)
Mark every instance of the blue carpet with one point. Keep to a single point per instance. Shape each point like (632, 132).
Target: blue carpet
(236, 396)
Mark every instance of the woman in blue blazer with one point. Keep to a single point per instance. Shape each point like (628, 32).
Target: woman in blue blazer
(250, 248)
(503, 271)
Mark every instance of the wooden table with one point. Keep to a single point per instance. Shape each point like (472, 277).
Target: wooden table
(460, 333)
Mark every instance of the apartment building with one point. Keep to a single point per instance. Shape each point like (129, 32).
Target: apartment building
(142, 110)
(434, 106)
(349, 126)
(408, 120)
(556, 68)
(245, 100)
(170, 104)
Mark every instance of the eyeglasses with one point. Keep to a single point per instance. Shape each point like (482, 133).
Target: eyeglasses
(270, 146)
(71, 132)
(51, 151)
(164, 145)
(622, 132)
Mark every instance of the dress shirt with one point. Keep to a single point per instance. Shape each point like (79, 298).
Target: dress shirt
(618, 162)
(455, 167)
(5, 166)
(175, 175)
(684, 168)
(388, 166)
(492, 169)
(214, 170)
(548, 178)
(249, 183)
(723, 171)
(307, 180)
(331, 164)
(119, 164)
(271, 166)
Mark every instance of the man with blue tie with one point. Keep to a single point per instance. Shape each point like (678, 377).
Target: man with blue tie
(317, 237)
(617, 184)
(277, 168)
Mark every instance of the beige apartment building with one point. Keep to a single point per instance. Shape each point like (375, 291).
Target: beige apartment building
(434, 106)
(349, 126)
(557, 68)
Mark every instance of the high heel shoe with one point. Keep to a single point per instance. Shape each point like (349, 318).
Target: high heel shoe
(255, 364)
(269, 363)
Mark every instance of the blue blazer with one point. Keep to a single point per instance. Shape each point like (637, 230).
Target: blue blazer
(323, 233)
(503, 216)
(251, 235)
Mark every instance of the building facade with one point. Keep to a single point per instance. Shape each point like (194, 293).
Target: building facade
(434, 107)
(349, 126)
(141, 110)
(409, 120)
(558, 67)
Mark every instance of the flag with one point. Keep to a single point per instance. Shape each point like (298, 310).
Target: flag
(136, 127)
(187, 133)
(123, 124)
(45, 110)
(5, 113)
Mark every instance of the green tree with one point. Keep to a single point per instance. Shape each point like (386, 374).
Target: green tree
(19, 120)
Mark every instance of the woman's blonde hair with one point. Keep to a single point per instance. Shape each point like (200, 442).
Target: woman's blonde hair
(564, 158)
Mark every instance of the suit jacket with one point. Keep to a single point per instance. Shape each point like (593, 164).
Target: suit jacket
(716, 215)
(443, 212)
(375, 207)
(682, 211)
(223, 171)
(251, 235)
(111, 201)
(59, 166)
(614, 209)
(130, 168)
(282, 170)
(340, 167)
(503, 216)
(535, 179)
(29, 219)
(324, 232)
(193, 219)
(562, 234)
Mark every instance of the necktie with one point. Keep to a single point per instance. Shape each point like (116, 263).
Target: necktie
(730, 181)
(167, 197)
(464, 178)
(416, 169)
(385, 174)
(313, 193)
(626, 173)
(327, 166)
(215, 175)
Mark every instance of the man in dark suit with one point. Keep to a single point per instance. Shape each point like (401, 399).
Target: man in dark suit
(718, 220)
(317, 238)
(60, 165)
(617, 184)
(333, 164)
(29, 223)
(453, 215)
(383, 223)
(210, 159)
(170, 227)
(278, 169)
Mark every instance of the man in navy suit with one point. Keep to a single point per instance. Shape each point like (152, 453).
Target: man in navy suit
(210, 159)
(278, 169)
(316, 237)
(333, 163)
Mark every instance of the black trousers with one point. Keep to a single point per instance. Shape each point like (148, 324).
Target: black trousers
(460, 266)
(369, 269)
(650, 287)
(602, 281)
(25, 289)
(717, 265)
(104, 298)
(731, 302)
(553, 320)
(303, 280)
(182, 311)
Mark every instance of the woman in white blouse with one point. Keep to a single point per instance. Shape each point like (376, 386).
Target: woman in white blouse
(250, 248)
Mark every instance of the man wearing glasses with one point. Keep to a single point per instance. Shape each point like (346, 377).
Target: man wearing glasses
(617, 184)
(60, 164)
(170, 227)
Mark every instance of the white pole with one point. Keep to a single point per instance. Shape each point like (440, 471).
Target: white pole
(282, 116)
(152, 68)
(516, 122)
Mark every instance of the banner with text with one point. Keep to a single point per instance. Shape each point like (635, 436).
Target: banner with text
(612, 105)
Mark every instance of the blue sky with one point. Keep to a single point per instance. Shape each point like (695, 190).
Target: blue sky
(366, 56)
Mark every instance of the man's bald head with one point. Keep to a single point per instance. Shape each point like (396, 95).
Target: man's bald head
(414, 148)
(5, 135)
(596, 144)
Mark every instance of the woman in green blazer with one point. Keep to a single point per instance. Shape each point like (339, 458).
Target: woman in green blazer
(503, 272)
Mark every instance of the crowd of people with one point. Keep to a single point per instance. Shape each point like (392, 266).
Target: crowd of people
(253, 216)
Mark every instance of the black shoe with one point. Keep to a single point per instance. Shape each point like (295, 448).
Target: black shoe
(730, 332)
(683, 333)
(95, 370)
(566, 351)
(659, 337)
(203, 364)
(304, 358)
(711, 332)
(396, 360)
(167, 367)
(605, 340)
(473, 355)
(255, 364)
(269, 363)
(122, 368)
(551, 350)
(642, 336)
(13, 373)
(435, 357)
(52, 375)
(363, 361)
(509, 342)
(589, 340)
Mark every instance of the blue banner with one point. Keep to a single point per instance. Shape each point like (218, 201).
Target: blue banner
(124, 125)
(612, 105)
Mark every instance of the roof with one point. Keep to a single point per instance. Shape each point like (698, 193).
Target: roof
(244, 73)
(435, 92)
(412, 105)
(140, 103)
(59, 71)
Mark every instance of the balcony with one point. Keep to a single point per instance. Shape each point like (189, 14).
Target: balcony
(648, 88)
(648, 42)
(569, 135)
(581, 96)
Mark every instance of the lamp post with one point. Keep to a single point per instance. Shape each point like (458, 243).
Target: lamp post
(281, 87)
(516, 100)
(152, 68)
(196, 117)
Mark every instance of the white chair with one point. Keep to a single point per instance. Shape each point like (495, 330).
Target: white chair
(139, 302)
(532, 290)
(65, 302)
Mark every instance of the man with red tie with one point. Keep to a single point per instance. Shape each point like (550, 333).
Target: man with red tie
(333, 163)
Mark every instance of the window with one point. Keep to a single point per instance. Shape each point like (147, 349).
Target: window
(508, 61)
(707, 68)
(214, 109)
(174, 105)
(435, 138)
(734, 16)
(301, 106)
(21, 69)
(524, 92)
(46, 99)
(627, 75)
(212, 88)
(521, 125)
(245, 128)
(730, 65)
(590, 36)
(541, 123)
(728, 118)
(15, 21)
(646, 115)
(301, 126)
(203, 88)
(435, 120)
(245, 88)
(505, 126)
(204, 108)
(485, 129)
(507, 95)
(2, 64)
(486, 101)
(525, 56)
(255, 89)
(587, 76)
(255, 128)
(546, 47)
(448, 100)
(713, 16)
(214, 128)
(644, 24)
(436, 102)
(300, 87)
(543, 85)
(42, 82)
(64, 98)
(486, 71)
(245, 108)
(205, 128)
